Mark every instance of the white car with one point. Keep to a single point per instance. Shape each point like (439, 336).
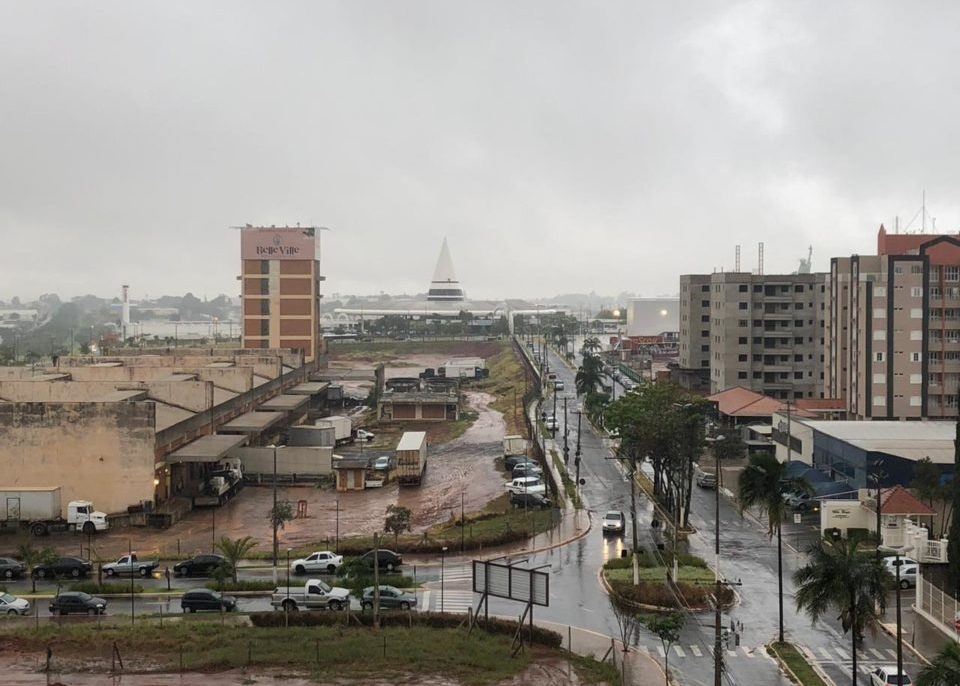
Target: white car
(527, 484)
(382, 463)
(613, 522)
(908, 575)
(887, 676)
(551, 423)
(364, 435)
(891, 562)
(12, 605)
(323, 562)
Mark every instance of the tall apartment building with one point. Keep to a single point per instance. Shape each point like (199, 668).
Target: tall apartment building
(892, 339)
(280, 277)
(762, 332)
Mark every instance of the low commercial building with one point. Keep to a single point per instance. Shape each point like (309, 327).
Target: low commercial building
(142, 431)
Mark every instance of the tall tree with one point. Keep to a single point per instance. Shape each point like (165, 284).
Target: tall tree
(234, 550)
(397, 521)
(926, 480)
(667, 628)
(838, 577)
(762, 485)
(944, 669)
(589, 375)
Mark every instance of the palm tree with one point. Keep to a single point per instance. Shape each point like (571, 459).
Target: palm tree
(588, 376)
(837, 576)
(762, 486)
(944, 670)
(234, 550)
(591, 345)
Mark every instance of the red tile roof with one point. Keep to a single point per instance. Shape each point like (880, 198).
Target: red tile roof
(898, 500)
(738, 401)
(820, 403)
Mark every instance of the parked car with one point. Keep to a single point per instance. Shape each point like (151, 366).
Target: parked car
(389, 597)
(130, 564)
(512, 461)
(887, 675)
(383, 463)
(530, 500)
(526, 469)
(908, 575)
(386, 559)
(200, 565)
(75, 602)
(323, 562)
(526, 484)
(705, 480)
(802, 502)
(12, 569)
(613, 522)
(891, 562)
(12, 605)
(558, 385)
(364, 435)
(204, 599)
(551, 423)
(63, 566)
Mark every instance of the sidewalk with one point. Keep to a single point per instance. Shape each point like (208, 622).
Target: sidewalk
(637, 668)
(920, 637)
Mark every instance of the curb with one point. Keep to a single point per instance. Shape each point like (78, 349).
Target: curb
(891, 630)
(786, 668)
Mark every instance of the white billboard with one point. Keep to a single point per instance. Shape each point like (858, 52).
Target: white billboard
(513, 583)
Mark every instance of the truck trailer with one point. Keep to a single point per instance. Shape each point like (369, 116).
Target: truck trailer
(40, 510)
(411, 458)
(222, 484)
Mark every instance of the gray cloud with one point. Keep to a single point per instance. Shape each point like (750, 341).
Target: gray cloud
(560, 146)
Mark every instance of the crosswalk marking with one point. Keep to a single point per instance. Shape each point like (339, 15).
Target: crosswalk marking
(877, 654)
(807, 653)
(731, 653)
(893, 653)
(696, 651)
(826, 654)
(844, 655)
(660, 650)
(425, 603)
(747, 651)
(679, 651)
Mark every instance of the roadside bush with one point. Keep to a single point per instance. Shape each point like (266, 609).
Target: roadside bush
(434, 620)
(107, 588)
(662, 595)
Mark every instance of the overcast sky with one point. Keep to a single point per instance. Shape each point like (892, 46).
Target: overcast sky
(559, 146)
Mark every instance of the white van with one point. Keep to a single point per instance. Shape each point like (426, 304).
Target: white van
(527, 484)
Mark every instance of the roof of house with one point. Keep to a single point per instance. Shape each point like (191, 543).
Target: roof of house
(820, 403)
(898, 500)
(738, 401)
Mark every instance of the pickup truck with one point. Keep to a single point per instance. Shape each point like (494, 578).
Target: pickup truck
(315, 594)
(130, 564)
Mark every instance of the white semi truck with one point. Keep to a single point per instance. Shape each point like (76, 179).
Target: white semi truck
(342, 428)
(40, 510)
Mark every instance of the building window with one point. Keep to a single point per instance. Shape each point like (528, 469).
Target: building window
(879, 335)
(743, 322)
(798, 340)
(878, 357)
(265, 307)
(879, 400)
(951, 273)
(704, 363)
(879, 313)
(743, 305)
(705, 333)
(757, 340)
(915, 401)
(704, 348)
(743, 288)
(741, 375)
(798, 322)
(916, 292)
(798, 358)
(705, 288)
(916, 357)
(798, 288)
(264, 327)
(916, 335)
(741, 358)
(758, 288)
(742, 340)
(916, 269)
(798, 306)
(264, 266)
(758, 375)
(879, 378)
(916, 313)
(758, 322)
(798, 375)
(916, 378)
(705, 319)
(704, 303)
(898, 269)
(879, 291)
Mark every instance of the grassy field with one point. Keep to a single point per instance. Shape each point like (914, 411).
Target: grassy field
(687, 574)
(507, 385)
(323, 652)
(797, 663)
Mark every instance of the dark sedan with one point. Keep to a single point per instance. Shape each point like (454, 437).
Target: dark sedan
(387, 559)
(74, 602)
(390, 596)
(200, 565)
(530, 500)
(203, 599)
(63, 566)
(11, 569)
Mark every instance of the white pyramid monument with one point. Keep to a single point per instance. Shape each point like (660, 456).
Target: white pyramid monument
(444, 285)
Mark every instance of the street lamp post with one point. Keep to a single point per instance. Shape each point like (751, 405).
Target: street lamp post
(443, 554)
(286, 604)
(898, 551)
(717, 648)
(336, 547)
(576, 458)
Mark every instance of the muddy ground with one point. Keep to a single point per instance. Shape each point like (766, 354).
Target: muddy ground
(24, 670)
(465, 464)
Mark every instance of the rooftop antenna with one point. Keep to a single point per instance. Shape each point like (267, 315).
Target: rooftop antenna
(738, 259)
(923, 208)
(760, 259)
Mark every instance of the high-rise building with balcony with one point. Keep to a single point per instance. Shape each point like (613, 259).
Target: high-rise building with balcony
(760, 331)
(892, 335)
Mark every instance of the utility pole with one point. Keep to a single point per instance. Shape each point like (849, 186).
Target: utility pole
(376, 578)
(717, 648)
(633, 517)
(566, 432)
(576, 460)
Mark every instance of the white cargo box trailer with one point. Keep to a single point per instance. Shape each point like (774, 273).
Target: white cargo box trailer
(25, 504)
(514, 445)
(411, 458)
(342, 428)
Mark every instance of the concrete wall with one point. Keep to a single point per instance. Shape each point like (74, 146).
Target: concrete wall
(237, 379)
(103, 452)
(290, 460)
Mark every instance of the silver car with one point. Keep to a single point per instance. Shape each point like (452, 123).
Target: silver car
(12, 605)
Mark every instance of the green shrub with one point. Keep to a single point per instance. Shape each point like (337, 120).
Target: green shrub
(664, 595)
(435, 620)
(107, 588)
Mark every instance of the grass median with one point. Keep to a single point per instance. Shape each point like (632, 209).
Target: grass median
(797, 663)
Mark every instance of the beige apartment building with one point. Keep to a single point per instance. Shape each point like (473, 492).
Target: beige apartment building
(281, 289)
(762, 332)
(892, 336)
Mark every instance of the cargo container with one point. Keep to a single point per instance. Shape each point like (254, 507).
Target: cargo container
(514, 445)
(342, 428)
(411, 458)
